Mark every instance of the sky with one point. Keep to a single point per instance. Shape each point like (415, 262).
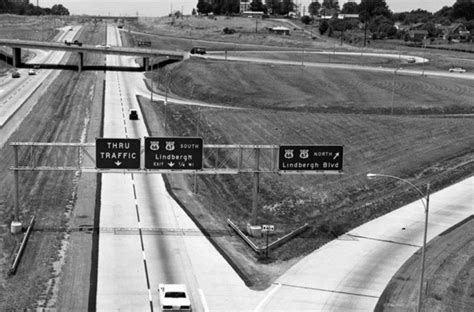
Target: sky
(163, 7)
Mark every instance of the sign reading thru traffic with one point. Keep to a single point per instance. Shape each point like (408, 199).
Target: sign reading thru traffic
(117, 153)
(310, 158)
(173, 153)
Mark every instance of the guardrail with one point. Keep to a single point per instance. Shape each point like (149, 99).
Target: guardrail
(17, 259)
(273, 245)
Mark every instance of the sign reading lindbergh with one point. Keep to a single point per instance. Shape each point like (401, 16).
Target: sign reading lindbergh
(181, 153)
(310, 158)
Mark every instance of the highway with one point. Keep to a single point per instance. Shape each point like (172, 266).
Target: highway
(15, 92)
(145, 237)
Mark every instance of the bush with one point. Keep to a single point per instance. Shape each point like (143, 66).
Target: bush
(306, 20)
(323, 27)
(228, 31)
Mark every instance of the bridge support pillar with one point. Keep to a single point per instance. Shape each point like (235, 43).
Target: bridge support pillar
(16, 57)
(81, 61)
(146, 63)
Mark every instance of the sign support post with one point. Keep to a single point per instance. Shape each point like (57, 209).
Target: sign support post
(17, 191)
(256, 180)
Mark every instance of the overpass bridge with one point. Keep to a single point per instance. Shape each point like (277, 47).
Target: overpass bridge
(146, 53)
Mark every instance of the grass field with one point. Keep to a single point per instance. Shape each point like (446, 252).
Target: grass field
(387, 123)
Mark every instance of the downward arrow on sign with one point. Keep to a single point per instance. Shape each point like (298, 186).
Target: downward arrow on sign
(171, 164)
(118, 163)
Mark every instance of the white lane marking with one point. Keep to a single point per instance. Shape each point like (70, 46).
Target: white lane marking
(203, 300)
(267, 298)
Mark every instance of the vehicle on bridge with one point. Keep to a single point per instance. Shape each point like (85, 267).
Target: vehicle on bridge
(75, 42)
(174, 297)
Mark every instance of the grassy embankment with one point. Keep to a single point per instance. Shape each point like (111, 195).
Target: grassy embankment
(387, 124)
(62, 114)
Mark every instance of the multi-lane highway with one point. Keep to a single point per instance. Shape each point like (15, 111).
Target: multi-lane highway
(15, 92)
(145, 237)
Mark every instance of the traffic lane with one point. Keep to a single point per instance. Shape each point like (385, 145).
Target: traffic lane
(446, 208)
(126, 291)
(178, 252)
(446, 74)
(118, 203)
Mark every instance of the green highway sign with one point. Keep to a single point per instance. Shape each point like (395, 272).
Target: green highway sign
(173, 153)
(310, 158)
(117, 153)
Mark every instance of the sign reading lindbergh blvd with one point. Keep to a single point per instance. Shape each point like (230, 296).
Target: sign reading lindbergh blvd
(310, 158)
(117, 153)
(170, 153)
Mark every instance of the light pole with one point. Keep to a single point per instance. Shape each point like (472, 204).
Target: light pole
(426, 204)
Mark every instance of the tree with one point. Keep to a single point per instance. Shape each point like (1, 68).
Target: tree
(323, 27)
(204, 7)
(59, 9)
(369, 9)
(287, 6)
(257, 5)
(331, 4)
(314, 8)
(273, 6)
(306, 19)
(350, 8)
(463, 9)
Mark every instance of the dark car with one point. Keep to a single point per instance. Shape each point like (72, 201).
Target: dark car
(198, 50)
(133, 114)
(15, 74)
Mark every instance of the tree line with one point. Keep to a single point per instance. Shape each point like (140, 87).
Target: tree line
(30, 9)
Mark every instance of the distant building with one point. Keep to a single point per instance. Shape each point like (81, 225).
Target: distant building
(244, 5)
(348, 16)
(279, 30)
(457, 31)
(417, 35)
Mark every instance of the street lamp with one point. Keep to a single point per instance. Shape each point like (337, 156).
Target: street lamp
(426, 203)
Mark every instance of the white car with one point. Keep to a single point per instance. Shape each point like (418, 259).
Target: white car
(32, 72)
(174, 297)
(457, 69)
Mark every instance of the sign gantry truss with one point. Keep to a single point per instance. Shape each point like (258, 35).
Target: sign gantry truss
(216, 159)
(211, 159)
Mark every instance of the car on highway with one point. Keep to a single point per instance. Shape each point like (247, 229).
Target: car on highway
(457, 69)
(16, 74)
(32, 72)
(75, 42)
(411, 60)
(174, 297)
(198, 50)
(133, 114)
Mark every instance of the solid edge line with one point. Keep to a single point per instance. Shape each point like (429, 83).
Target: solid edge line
(264, 301)
(203, 300)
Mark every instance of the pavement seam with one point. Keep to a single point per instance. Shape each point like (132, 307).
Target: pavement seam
(383, 240)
